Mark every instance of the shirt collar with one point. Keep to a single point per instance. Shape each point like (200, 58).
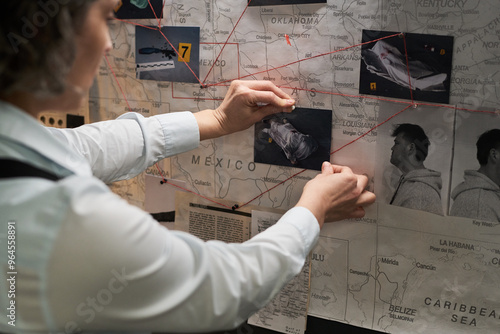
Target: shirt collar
(22, 129)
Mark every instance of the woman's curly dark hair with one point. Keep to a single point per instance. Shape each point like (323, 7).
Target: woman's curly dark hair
(37, 44)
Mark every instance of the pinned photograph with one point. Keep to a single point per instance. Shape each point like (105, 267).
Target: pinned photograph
(476, 167)
(414, 152)
(417, 65)
(282, 2)
(299, 139)
(139, 9)
(172, 55)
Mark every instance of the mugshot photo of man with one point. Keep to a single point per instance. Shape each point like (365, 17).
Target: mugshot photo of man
(418, 188)
(414, 156)
(478, 196)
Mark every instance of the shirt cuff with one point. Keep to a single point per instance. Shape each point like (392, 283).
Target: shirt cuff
(306, 223)
(181, 132)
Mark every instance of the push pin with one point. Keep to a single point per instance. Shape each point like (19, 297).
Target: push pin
(415, 106)
(401, 35)
(203, 86)
(164, 181)
(236, 206)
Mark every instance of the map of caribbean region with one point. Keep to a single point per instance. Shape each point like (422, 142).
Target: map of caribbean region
(399, 269)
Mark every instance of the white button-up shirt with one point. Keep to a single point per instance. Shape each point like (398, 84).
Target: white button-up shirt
(87, 260)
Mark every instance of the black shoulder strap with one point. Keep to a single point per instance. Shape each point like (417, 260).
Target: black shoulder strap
(14, 168)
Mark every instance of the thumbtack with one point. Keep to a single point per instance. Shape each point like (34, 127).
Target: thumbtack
(236, 206)
(164, 181)
(203, 87)
(401, 35)
(415, 106)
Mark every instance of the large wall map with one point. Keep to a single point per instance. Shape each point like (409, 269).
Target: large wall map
(397, 270)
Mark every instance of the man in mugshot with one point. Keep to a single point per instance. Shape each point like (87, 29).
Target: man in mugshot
(419, 188)
(478, 196)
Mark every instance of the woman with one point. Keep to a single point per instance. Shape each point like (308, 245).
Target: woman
(81, 257)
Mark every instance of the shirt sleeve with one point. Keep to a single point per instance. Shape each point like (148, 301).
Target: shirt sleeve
(123, 148)
(115, 268)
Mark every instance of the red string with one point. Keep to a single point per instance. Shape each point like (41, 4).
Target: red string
(179, 55)
(164, 4)
(345, 95)
(309, 58)
(207, 99)
(153, 10)
(136, 24)
(408, 68)
(227, 40)
(237, 52)
(272, 188)
(376, 126)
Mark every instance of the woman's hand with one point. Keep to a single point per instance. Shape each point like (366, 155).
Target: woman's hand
(246, 103)
(336, 194)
